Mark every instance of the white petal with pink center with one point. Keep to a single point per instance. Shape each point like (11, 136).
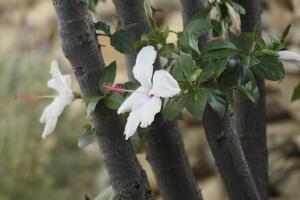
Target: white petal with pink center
(145, 102)
(62, 84)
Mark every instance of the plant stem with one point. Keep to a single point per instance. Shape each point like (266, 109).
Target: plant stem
(80, 46)
(163, 144)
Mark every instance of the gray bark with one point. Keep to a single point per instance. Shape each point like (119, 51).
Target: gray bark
(223, 140)
(163, 144)
(251, 119)
(81, 48)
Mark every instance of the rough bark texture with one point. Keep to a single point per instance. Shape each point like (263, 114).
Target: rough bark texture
(163, 144)
(223, 140)
(251, 119)
(229, 157)
(81, 48)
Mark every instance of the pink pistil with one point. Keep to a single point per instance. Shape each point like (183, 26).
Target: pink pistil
(116, 89)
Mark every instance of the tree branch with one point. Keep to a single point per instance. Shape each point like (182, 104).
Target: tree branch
(163, 144)
(80, 46)
(223, 141)
(251, 118)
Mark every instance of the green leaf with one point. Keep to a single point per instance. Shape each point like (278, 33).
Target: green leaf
(114, 101)
(131, 85)
(269, 68)
(150, 14)
(217, 28)
(101, 26)
(196, 102)
(92, 4)
(285, 33)
(220, 54)
(91, 108)
(123, 41)
(107, 194)
(87, 137)
(156, 37)
(194, 30)
(250, 91)
(108, 75)
(184, 67)
(236, 73)
(212, 70)
(296, 93)
(172, 107)
(238, 8)
(202, 14)
(244, 42)
(216, 100)
(257, 37)
(218, 44)
(91, 102)
(166, 51)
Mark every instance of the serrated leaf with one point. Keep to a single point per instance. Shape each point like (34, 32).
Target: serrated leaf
(107, 194)
(101, 26)
(86, 138)
(108, 75)
(196, 102)
(123, 41)
(184, 67)
(269, 68)
(114, 101)
(296, 93)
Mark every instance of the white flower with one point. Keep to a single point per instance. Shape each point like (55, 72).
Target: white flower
(144, 103)
(289, 56)
(62, 84)
(235, 26)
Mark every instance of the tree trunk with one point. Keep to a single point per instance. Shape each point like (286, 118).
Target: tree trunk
(81, 48)
(163, 144)
(251, 119)
(221, 136)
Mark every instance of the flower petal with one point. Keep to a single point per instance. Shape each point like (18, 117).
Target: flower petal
(143, 68)
(49, 127)
(149, 110)
(56, 74)
(164, 85)
(61, 88)
(133, 122)
(289, 56)
(235, 18)
(134, 101)
(52, 112)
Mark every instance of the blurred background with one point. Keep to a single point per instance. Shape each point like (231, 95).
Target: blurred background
(56, 168)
